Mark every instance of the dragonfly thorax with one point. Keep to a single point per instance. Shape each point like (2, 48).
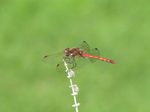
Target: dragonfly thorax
(74, 52)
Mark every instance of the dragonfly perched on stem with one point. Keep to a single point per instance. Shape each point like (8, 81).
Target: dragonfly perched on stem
(72, 54)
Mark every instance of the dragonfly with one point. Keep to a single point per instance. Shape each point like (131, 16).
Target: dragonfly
(72, 55)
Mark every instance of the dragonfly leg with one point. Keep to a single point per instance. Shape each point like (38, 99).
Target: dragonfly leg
(73, 63)
(70, 61)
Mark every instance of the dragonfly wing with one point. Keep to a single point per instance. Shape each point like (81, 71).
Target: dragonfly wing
(60, 67)
(85, 47)
(53, 58)
(80, 62)
(70, 61)
(94, 52)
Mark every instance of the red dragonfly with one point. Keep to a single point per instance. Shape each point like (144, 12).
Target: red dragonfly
(72, 54)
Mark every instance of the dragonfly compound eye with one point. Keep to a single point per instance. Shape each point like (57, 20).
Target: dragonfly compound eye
(67, 51)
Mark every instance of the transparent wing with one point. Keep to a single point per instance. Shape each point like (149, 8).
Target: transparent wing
(85, 47)
(81, 62)
(53, 58)
(94, 52)
(72, 63)
(60, 67)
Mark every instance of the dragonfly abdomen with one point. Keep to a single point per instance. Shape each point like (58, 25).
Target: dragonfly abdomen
(85, 55)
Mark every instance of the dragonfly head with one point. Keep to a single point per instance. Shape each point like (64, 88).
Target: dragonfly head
(67, 51)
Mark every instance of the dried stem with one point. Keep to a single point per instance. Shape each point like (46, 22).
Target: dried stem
(74, 87)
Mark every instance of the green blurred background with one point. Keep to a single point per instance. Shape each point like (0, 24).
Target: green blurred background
(31, 29)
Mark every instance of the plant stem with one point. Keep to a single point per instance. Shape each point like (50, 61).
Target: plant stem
(74, 87)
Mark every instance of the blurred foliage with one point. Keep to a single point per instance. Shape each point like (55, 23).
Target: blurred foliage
(31, 29)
